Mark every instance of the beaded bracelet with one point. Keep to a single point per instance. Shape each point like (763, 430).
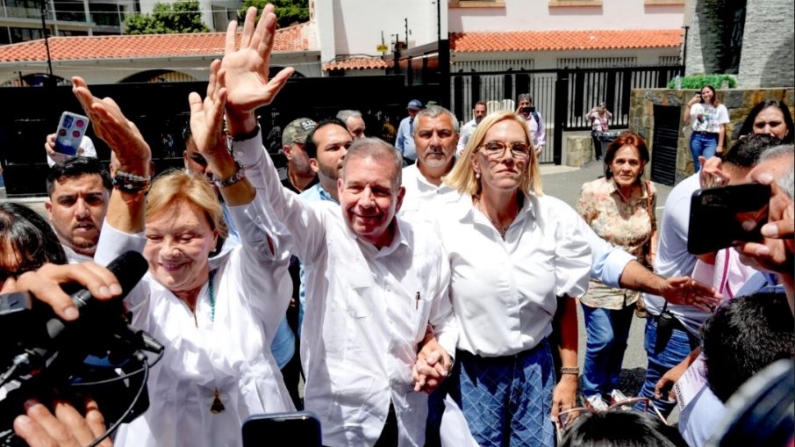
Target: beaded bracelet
(131, 183)
(570, 370)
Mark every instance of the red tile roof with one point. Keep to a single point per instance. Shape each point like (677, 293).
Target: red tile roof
(563, 40)
(355, 63)
(288, 39)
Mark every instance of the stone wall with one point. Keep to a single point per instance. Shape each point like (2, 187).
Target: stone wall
(767, 47)
(738, 102)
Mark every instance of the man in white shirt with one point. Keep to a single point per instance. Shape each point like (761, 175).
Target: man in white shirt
(374, 281)
(435, 136)
(479, 113)
(78, 190)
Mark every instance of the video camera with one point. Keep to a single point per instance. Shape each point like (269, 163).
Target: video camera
(96, 356)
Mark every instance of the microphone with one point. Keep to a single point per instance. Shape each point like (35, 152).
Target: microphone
(128, 269)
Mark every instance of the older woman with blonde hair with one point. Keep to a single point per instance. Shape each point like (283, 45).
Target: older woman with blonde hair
(513, 251)
(216, 316)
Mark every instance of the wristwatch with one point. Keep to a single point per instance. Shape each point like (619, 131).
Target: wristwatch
(239, 175)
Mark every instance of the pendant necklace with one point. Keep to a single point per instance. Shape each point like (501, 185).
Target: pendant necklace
(500, 229)
(218, 404)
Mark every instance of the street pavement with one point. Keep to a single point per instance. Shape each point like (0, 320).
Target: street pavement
(564, 183)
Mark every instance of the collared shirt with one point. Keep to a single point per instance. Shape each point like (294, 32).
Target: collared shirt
(463, 137)
(504, 291)
(289, 185)
(225, 346)
(423, 197)
(316, 193)
(405, 140)
(626, 223)
(367, 311)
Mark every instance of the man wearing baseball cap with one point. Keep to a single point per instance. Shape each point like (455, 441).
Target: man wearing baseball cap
(300, 175)
(405, 139)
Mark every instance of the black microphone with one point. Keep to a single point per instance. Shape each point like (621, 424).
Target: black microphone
(128, 269)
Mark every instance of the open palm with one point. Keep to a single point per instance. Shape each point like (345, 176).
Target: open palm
(206, 117)
(246, 68)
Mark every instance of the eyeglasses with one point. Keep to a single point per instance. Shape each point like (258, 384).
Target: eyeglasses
(567, 417)
(495, 150)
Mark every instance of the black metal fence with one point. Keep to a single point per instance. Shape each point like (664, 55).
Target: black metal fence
(562, 97)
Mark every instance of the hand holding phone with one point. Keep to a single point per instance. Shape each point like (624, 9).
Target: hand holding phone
(301, 428)
(69, 135)
(719, 217)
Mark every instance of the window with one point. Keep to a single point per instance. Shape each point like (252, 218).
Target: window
(25, 34)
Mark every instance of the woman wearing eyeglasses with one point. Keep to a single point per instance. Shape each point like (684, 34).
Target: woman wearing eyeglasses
(512, 252)
(620, 209)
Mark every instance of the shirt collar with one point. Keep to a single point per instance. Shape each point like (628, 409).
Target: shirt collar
(465, 211)
(323, 194)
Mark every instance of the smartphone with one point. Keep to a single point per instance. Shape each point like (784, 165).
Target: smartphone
(301, 428)
(528, 109)
(717, 216)
(71, 129)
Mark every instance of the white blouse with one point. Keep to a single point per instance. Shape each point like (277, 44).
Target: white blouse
(230, 352)
(504, 291)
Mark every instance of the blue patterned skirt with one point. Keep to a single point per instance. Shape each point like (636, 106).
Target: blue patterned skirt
(507, 401)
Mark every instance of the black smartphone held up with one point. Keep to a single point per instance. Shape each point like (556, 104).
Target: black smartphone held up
(717, 216)
(299, 429)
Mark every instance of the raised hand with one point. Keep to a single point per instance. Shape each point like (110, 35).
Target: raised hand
(110, 125)
(246, 68)
(206, 117)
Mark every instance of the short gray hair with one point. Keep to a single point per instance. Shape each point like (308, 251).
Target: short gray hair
(379, 150)
(523, 96)
(786, 181)
(434, 111)
(343, 115)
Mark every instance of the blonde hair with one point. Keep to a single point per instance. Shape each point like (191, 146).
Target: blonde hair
(462, 177)
(175, 186)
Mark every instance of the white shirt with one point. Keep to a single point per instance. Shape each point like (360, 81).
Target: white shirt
(88, 150)
(707, 118)
(230, 352)
(366, 312)
(423, 197)
(504, 292)
(463, 137)
(672, 258)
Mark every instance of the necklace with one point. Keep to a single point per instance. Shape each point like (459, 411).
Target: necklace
(502, 229)
(217, 405)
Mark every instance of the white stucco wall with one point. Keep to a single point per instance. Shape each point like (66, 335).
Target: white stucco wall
(543, 60)
(356, 25)
(538, 15)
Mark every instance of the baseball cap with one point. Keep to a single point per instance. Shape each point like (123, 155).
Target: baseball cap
(297, 130)
(414, 104)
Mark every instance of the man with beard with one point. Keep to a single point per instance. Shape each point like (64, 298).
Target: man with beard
(466, 131)
(300, 175)
(78, 189)
(326, 147)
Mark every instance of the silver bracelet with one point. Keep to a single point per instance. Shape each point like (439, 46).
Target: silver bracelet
(239, 175)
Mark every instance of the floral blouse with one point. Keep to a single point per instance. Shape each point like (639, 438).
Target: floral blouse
(625, 223)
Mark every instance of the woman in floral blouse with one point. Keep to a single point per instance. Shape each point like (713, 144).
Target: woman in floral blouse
(620, 209)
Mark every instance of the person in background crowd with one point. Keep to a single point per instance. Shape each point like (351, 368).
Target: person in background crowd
(86, 149)
(512, 252)
(300, 175)
(326, 146)
(771, 117)
(620, 209)
(599, 117)
(78, 189)
(435, 137)
(405, 141)
(478, 113)
(534, 121)
(621, 429)
(353, 122)
(708, 118)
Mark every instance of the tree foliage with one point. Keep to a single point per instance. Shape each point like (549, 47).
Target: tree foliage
(288, 12)
(168, 18)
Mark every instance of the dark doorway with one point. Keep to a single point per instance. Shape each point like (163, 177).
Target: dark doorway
(664, 144)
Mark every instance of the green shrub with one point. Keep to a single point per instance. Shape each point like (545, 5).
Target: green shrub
(698, 81)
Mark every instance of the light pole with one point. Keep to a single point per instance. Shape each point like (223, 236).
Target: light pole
(45, 31)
